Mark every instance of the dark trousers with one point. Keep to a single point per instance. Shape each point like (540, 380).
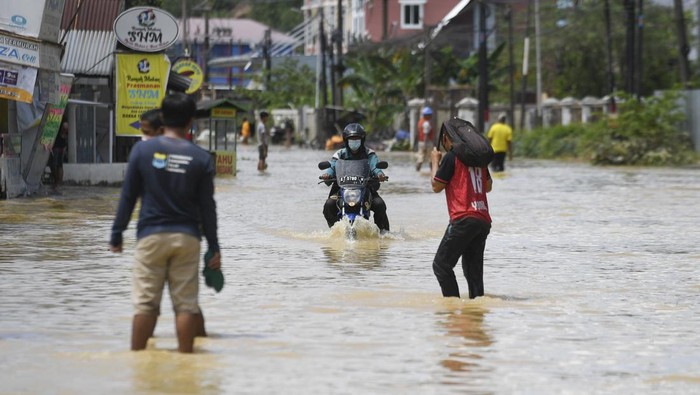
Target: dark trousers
(466, 238)
(330, 211)
(499, 161)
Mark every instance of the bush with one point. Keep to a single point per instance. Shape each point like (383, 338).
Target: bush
(549, 143)
(644, 132)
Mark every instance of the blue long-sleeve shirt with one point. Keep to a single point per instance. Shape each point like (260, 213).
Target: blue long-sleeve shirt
(175, 181)
(345, 153)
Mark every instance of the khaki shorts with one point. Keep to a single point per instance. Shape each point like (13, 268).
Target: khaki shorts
(171, 257)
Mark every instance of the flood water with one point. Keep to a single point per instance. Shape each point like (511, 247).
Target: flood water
(592, 280)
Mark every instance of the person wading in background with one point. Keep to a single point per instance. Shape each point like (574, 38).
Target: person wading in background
(426, 137)
(263, 138)
(501, 135)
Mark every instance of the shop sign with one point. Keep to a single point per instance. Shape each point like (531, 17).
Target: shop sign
(146, 29)
(225, 163)
(17, 82)
(190, 69)
(30, 53)
(141, 82)
(223, 113)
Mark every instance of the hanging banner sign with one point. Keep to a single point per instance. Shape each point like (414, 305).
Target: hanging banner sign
(141, 83)
(17, 82)
(52, 122)
(146, 29)
(190, 69)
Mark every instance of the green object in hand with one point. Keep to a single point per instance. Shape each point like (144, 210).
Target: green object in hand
(214, 278)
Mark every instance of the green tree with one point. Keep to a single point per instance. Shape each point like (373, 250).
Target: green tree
(374, 91)
(291, 84)
(573, 49)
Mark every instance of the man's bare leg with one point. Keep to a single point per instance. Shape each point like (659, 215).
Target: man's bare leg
(199, 325)
(186, 326)
(141, 329)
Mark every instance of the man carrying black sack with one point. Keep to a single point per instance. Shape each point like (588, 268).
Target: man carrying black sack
(470, 223)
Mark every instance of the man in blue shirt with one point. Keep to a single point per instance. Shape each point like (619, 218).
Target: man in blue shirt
(354, 138)
(175, 181)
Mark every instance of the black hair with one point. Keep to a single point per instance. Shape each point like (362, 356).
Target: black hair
(264, 114)
(177, 110)
(152, 116)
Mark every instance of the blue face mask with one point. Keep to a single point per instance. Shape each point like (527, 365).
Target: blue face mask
(354, 145)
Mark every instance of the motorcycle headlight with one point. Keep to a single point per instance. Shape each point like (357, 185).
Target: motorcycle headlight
(352, 197)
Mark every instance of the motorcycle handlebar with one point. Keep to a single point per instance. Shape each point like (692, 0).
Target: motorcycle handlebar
(386, 178)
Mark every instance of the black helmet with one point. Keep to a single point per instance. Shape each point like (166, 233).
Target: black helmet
(353, 130)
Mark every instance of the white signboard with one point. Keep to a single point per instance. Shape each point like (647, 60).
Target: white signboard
(30, 53)
(146, 29)
(34, 18)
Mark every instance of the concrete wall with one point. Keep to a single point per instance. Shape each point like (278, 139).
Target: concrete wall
(94, 173)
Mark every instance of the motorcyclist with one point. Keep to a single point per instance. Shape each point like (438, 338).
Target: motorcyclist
(354, 140)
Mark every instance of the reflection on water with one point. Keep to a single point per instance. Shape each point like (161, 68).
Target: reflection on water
(466, 323)
(591, 276)
(156, 372)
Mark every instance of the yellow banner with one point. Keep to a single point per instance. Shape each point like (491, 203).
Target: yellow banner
(225, 163)
(141, 83)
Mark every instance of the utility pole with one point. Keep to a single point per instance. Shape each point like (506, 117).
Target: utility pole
(322, 133)
(385, 19)
(629, 58)
(611, 74)
(207, 10)
(683, 48)
(185, 27)
(511, 65)
(526, 55)
(267, 57)
(483, 70)
(538, 60)
(640, 46)
(339, 67)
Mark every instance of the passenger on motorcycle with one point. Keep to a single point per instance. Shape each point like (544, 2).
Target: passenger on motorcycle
(354, 139)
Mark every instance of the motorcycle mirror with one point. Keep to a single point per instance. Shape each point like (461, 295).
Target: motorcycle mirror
(324, 165)
(382, 165)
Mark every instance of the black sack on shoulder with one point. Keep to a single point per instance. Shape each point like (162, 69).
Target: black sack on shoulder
(470, 146)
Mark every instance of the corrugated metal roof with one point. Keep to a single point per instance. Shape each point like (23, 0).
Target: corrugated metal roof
(89, 52)
(225, 30)
(93, 15)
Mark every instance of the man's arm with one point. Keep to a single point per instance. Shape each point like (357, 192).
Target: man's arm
(131, 190)
(207, 207)
(373, 160)
(435, 157)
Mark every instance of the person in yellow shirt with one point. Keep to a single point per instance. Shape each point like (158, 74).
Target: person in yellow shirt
(501, 135)
(245, 130)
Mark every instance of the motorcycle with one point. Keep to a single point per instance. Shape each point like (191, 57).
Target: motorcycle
(354, 179)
